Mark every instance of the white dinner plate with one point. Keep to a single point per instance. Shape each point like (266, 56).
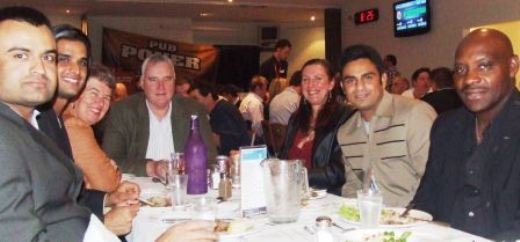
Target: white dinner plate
(420, 216)
(252, 228)
(364, 235)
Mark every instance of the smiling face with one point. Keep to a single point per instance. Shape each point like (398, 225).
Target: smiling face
(72, 67)
(484, 71)
(316, 85)
(363, 85)
(93, 103)
(27, 65)
(158, 83)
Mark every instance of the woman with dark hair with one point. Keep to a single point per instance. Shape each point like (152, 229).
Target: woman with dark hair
(311, 133)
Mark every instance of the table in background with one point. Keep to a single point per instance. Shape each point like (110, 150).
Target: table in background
(147, 225)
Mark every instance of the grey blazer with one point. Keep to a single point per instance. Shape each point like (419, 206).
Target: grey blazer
(128, 127)
(39, 186)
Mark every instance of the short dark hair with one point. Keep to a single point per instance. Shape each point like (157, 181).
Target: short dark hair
(68, 32)
(391, 58)
(230, 89)
(24, 14)
(205, 89)
(296, 79)
(443, 77)
(103, 74)
(417, 72)
(360, 51)
(282, 44)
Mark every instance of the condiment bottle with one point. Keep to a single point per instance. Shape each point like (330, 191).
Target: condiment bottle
(225, 187)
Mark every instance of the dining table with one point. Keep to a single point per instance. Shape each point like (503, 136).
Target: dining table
(151, 222)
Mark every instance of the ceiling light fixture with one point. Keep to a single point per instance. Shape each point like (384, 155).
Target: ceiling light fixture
(67, 11)
(229, 1)
(313, 18)
(205, 14)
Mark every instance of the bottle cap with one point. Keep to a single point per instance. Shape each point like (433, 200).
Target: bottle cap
(323, 221)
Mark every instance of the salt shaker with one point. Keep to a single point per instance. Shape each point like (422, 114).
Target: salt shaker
(323, 234)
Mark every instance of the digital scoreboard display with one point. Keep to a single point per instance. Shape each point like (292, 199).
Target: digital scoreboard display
(411, 17)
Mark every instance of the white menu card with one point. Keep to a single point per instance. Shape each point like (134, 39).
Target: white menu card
(252, 194)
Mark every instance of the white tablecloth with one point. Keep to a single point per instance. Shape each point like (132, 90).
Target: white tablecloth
(147, 225)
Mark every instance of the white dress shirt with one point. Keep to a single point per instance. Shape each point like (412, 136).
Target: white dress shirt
(160, 140)
(283, 106)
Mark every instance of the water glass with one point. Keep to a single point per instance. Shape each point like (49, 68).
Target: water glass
(204, 208)
(179, 187)
(370, 205)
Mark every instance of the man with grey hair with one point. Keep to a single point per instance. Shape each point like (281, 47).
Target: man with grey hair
(144, 129)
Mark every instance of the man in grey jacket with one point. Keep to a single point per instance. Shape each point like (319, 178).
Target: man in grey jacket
(144, 129)
(38, 183)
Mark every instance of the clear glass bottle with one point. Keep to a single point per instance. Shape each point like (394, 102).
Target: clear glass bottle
(224, 187)
(195, 154)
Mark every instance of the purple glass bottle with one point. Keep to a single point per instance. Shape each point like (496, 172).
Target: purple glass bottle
(196, 156)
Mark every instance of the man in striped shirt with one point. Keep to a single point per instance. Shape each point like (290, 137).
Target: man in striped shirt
(389, 134)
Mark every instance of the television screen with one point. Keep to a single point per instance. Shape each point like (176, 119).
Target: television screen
(411, 17)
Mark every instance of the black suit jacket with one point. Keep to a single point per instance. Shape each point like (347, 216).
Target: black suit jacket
(38, 186)
(52, 125)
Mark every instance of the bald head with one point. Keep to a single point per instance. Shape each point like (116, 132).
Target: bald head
(491, 39)
(484, 71)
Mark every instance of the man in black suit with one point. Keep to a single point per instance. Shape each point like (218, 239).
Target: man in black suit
(226, 122)
(444, 97)
(38, 183)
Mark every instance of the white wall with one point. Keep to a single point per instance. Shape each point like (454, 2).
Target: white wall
(436, 48)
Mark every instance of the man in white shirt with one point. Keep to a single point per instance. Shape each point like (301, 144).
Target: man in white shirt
(146, 128)
(252, 106)
(285, 104)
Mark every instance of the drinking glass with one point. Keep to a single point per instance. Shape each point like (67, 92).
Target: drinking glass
(370, 205)
(179, 185)
(204, 208)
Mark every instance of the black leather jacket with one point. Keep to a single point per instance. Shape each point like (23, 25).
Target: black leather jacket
(328, 171)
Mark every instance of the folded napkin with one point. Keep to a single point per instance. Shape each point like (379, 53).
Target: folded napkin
(97, 232)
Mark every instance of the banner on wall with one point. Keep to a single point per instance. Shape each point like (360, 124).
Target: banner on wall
(124, 52)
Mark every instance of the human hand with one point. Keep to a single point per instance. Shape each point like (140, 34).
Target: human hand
(119, 219)
(157, 169)
(126, 194)
(191, 231)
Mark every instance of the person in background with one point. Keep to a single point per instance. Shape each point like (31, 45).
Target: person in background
(145, 129)
(277, 86)
(252, 106)
(444, 98)
(277, 66)
(399, 85)
(421, 84)
(89, 107)
(230, 93)
(225, 120)
(472, 179)
(283, 105)
(390, 62)
(182, 87)
(388, 134)
(311, 133)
